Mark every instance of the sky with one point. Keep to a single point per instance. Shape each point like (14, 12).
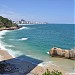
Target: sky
(52, 11)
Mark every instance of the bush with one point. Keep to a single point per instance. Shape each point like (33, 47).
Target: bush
(54, 72)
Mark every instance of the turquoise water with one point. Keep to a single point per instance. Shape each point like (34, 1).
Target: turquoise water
(36, 40)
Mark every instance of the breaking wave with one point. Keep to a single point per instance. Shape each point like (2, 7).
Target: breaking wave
(23, 39)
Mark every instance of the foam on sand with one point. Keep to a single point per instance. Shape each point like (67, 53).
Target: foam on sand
(2, 47)
(10, 51)
(44, 64)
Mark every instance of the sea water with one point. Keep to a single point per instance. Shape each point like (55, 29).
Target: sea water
(36, 40)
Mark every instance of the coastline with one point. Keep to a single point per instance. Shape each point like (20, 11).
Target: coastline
(11, 28)
(5, 55)
(39, 69)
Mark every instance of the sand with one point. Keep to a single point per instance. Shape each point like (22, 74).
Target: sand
(40, 70)
(4, 55)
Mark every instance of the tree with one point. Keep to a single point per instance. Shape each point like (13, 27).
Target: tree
(5, 22)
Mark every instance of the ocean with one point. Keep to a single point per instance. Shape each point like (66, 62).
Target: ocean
(36, 40)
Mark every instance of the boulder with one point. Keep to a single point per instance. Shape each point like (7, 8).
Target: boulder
(53, 52)
(59, 51)
(69, 54)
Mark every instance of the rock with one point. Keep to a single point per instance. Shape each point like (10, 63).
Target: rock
(59, 51)
(69, 54)
(63, 53)
(53, 52)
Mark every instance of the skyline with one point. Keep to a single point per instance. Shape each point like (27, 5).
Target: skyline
(52, 11)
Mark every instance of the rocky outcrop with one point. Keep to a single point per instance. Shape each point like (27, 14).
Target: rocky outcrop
(58, 52)
(11, 28)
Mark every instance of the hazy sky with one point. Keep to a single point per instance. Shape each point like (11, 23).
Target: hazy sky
(52, 11)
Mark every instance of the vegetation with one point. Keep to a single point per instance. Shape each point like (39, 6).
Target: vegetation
(54, 72)
(6, 23)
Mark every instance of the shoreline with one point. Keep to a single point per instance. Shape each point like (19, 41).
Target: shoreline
(5, 55)
(11, 28)
(42, 69)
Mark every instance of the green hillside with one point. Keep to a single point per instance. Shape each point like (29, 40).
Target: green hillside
(6, 23)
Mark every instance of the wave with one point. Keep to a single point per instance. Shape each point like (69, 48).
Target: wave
(4, 45)
(19, 39)
(11, 52)
(23, 39)
(3, 33)
(23, 28)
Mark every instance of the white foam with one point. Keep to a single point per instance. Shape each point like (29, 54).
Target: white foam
(23, 39)
(47, 52)
(20, 39)
(11, 52)
(23, 28)
(44, 64)
(3, 45)
(3, 33)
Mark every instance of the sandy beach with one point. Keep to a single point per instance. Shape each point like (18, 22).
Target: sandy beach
(4, 55)
(40, 70)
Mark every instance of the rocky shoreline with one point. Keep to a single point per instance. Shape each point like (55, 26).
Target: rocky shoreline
(11, 28)
(58, 52)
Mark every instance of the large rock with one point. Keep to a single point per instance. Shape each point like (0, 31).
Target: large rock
(55, 51)
(70, 54)
(67, 54)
